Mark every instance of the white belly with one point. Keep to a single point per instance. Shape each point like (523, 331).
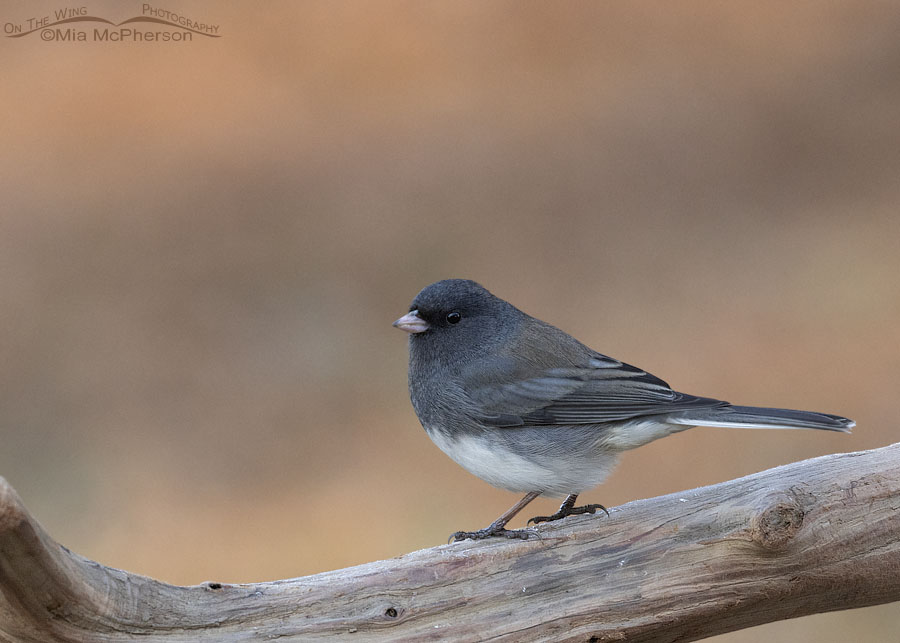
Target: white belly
(496, 464)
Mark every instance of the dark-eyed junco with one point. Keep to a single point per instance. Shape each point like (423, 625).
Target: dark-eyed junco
(528, 408)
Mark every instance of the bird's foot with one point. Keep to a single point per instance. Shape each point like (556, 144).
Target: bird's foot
(569, 511)
(491, 532)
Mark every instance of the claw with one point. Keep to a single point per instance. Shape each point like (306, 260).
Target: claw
(497, 528)
(569, 511)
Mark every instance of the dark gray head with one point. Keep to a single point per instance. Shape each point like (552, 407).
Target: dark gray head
(455, 318)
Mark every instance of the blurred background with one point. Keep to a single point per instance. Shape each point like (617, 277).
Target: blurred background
(203, 246)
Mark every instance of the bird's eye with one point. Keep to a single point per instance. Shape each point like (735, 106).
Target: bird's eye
(453, 318)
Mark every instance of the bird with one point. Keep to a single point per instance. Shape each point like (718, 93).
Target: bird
(528, 408)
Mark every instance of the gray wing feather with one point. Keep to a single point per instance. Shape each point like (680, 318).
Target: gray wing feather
(605, 390)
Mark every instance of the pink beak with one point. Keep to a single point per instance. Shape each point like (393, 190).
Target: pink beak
(412, 323)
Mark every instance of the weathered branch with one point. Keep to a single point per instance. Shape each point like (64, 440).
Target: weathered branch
(813, 536)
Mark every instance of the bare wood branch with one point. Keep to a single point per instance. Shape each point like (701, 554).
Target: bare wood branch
(813, 536)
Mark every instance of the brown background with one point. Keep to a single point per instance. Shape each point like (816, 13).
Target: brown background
(203, 245)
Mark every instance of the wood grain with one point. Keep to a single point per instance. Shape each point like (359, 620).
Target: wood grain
(812, 536)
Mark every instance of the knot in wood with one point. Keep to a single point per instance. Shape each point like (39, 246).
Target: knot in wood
(774, 527)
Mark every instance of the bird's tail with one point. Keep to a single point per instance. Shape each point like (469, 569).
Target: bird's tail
(757, 417)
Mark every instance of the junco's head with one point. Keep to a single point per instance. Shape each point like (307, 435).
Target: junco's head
(457, 316)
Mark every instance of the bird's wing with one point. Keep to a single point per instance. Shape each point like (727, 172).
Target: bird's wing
(602, 390)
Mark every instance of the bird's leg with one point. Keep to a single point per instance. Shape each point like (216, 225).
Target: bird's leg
(568, 508)
(498, 527)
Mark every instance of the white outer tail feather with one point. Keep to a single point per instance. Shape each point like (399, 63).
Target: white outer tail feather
(742, 425)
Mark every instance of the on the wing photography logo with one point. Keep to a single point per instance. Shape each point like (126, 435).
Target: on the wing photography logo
(77, 24)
